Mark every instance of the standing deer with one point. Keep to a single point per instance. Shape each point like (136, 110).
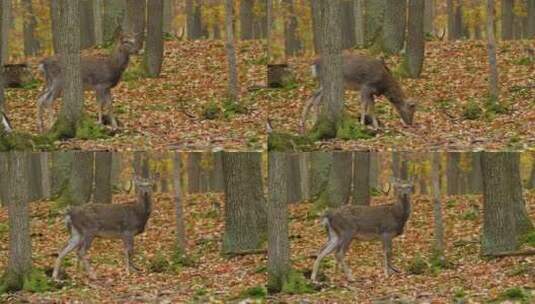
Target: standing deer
(99, 74)
(372, 78)
(382, 222)
(118, 221)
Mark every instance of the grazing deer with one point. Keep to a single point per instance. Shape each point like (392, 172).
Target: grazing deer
(99, 74)
(119, 221)
(6, 124)
(382, 222)
(372, 78)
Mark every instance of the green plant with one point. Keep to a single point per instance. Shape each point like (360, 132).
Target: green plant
(89, 129)
(159, 263)
(179, 259)
(36, 282)
(255, 292)
(211, 110)
(472, 110)
(459, 295)
(528, 238)
(4, 228)
(470, 214)
(296, 284)
(351, 129)
(417, 265)
(516, 294)
(231, 108)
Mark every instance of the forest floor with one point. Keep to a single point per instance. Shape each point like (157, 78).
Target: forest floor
(169, 112)
(452, 111)
(213, 278)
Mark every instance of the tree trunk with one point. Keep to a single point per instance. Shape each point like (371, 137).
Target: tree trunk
(194, 19)
(474, 183)
(294, 178)
(531, 19)
(73, 99)
(320, 166)
(6, 27)
(260, 22)
(429, 16)
(114, 17)
(360, 23)
(292, 42)
(394, 26)
(375, 170)
(135, 20)
(180, 233)
(80, 184)
(20, 250)
(31, 43)
(437, 207)
(2, 97)
(103, 183)
(46, 175)
(35, 187)
(332, 105)
(374, 21)
(194, 172)
(154, 47)
(61, 170)
(491, 51)
(315, 12)
(361, 178)
(246, 19)
(269, 29)
(505, 217)
(348, 24)
(531, 180)
(278, 266)
(454, 20)
(304, 169)
(55, 19)
(230, 49)
(416, 38)
(339, 186)
(507, 19)
(97, 21)
(87, 26)
(245, 214)
(168, 15)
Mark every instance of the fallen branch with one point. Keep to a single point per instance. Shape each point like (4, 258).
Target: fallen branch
(512, 253)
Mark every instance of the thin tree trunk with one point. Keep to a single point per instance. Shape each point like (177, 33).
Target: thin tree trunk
(6, 27)
(429, 16)
(135, 20)
(193, 20)
(437, 205)
(374, 21)
(278, 240)
(20, 250)
(361, 178)
(292, 42)
(46, 175)
(2, 97)
(180, 233)
(348, 24)
(103, 182)
(320, 166)
(87, 26)
(168, 15)
(269, 29)
(416, 39)
(507, 19)
(246, 19)
(194, 172)
(230, 49)
(491, 51)
(339, 186)
(294, 178)
(304, 168)
(531, 19)
(315, 12)
(31, 43)
(394, 26)
(97, 21)
(360, 23)
(153, 58)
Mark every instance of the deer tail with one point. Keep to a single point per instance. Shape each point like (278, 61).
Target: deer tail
(68, 222)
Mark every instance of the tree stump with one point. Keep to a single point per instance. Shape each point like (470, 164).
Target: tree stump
(17, 75)
(278, 75)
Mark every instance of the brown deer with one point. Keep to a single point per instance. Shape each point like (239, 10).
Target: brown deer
(372, 78)
(99, 74)
(118, 221)
(382, 222)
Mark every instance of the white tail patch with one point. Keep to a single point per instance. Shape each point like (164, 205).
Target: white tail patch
(5, 123)
(41, 67)
(314, 70)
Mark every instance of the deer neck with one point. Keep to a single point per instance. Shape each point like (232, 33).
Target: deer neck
(404, 205)
(144, 205)
(394, 93)
(119, 59)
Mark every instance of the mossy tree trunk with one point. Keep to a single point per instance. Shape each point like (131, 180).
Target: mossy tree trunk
(331, 79)
(278, 266)
(103, 183)
(320, 166)
(374, 21)
(394, 26)
(73, 99)
(494, 89)
(31, 43)
(245, 210)
(361, 178)
(505, 218)
(339, 186)
(531, 19)
(292, 43)
(416, 38)
(20, 250)
(455, 178)
(154, 47)
(304, 168)
(79, 186)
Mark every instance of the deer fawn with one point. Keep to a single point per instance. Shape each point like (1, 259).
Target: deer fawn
(99, 74)
(372, 78)
(383, 222)
(119, 221)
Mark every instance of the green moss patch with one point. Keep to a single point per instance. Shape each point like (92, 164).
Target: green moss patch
(351, 129)
(283, 142)
(296, 284)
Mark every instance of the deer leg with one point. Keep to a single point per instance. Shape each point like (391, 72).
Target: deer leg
(330, 247)
(100, 95)
(387, 248)
(129, 252)
(371, 111)
(109, 110)
(314, 100)
(73, 243)
(340, 254)
(82, 251)
(366, 99)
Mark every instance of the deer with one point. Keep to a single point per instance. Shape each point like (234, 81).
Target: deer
(364, 223)
(114, 221)
(372, 78)
(99, 74)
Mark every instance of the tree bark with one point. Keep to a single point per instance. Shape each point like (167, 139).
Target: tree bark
(153, 58)
(135, 20)
(278, 240)
(437, 205)
(20, 250)
(193, 19)
(315, 12)
(113, 18)
(304, 169)
(394, 26)
(168, 15)
(6, 27)
(35, 187)
(374, 21)
(87, 25)
(294, 178)
(454, 174)
(361, 178)
(292, 42)
(531, 19)
(55, 19)
(507, 19)
(245, 214)
(332, 105)
(73, 99)
(416, 38)
(454, 20)
(31, 43)
(320, 166)
(348, 24)
(180, 231)
(246, 19)
(531, 180)
(360, 23)
(491, 51)
(97, 21)
(230, 49)
(2, 96)
(505, 217)
(103, 182)
(339, 186)
(80, 184)
(429, 16)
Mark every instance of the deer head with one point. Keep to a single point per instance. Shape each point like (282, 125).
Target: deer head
(406, 111)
